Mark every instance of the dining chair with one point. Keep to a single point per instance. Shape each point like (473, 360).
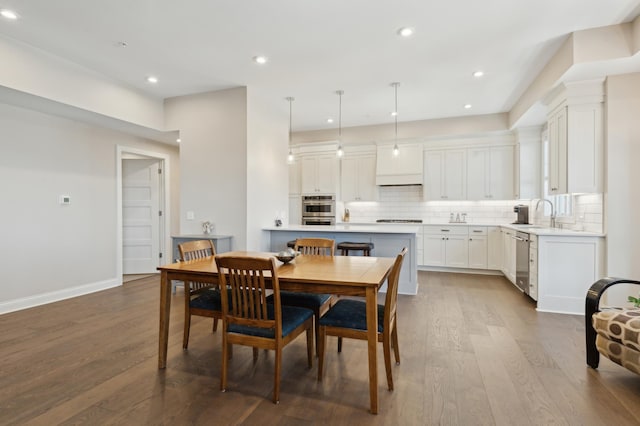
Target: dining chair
(249, 320)
(318, 303)
(348, 318)
(202, 299)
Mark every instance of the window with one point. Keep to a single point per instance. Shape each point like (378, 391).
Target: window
(562, 203)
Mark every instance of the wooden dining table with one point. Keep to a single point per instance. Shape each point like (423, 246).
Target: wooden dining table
(340, 275)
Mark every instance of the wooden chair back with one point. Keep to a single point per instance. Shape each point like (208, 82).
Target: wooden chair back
(247, 278)
(192, 250)
(196, 249)
(315, 246)
(391, 299)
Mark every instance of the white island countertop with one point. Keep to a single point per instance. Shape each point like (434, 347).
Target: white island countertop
(360, 228)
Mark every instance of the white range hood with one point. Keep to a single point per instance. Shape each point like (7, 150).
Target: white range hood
(404, 169)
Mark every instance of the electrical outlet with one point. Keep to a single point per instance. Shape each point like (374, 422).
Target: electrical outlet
(191, 215)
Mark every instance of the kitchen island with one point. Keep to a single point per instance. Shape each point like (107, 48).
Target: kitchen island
(388, 241)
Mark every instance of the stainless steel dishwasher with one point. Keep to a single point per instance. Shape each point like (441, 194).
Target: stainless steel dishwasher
(522, 261)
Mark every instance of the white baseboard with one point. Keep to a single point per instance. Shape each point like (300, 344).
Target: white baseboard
(54, 296)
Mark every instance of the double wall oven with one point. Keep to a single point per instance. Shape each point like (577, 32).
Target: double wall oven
(318, 209)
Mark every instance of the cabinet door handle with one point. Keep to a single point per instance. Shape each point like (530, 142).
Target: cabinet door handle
(476, 230)
(445, 230)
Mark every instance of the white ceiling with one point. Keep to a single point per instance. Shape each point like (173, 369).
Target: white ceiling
(315, 48)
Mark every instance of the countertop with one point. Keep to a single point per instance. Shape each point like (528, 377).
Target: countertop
(204, 236)
(370, 228)
(531, 229)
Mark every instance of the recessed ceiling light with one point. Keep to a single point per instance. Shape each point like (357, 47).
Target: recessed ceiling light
(478, 73)
(329, 120)
(260, 60)
(178, 140)
(406, 32)
(9, 14)
(467, 106)
(152, 79)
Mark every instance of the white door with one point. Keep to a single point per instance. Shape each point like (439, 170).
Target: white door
(140, 215)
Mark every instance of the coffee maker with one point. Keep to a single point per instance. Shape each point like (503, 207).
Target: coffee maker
(523, 214)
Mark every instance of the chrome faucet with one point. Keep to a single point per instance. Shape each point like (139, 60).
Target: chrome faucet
(553, 212)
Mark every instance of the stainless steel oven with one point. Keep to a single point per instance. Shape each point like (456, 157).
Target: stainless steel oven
(318, 221)
(318, 209)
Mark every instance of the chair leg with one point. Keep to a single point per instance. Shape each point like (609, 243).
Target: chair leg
(396, 348)
(339, 344)
(187, 326)
(316, 324)
(322, 340)
(255, 355)
(386, 346)
(225, 361)
(310, 347)
(215, 325)
(276, 381)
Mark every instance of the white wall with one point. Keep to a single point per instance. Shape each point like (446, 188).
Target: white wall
(50, 251)
(213, 161)
(267, 168)
(622, 195)
(34, 71)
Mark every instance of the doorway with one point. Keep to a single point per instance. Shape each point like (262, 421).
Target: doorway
(143, 219)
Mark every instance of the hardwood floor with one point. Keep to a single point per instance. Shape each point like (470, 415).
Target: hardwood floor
(473, 350)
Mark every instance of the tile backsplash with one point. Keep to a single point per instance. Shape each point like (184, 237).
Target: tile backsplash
(405, 202)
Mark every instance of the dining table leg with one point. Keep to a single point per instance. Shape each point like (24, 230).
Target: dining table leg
(372, 341)
(165, 308)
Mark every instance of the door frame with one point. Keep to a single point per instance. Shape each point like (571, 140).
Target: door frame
(165, 238)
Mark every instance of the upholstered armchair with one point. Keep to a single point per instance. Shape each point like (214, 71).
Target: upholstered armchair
(612, 332)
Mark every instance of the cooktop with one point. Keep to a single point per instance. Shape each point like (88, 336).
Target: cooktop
(399, 220)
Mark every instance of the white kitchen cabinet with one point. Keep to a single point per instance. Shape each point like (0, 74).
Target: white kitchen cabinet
(490, 173)
(576, 140)
(294, 178)
(403, 169)
(295, 209)
(509, 254)
(446, 246)
(567, 267)
(494, 248)
(533, 267)
(358, 181)
(319, 174)
(478, 245)
(445, 174)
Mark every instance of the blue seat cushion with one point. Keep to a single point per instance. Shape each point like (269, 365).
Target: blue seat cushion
(352, 314)
(292, 317)
(209, 300)
(303, 300)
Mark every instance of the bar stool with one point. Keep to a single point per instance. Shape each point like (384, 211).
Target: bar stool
(347, 246)
(291, 244)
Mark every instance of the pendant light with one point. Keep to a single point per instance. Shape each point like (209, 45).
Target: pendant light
(340, 151)
(290, 157)
(396, 149)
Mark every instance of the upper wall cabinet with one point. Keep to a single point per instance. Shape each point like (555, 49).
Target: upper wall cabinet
(402, 169)
(358, 181)
(319, 174)
(294, 178)
(576, 139)
(445, 174)
(490, 173)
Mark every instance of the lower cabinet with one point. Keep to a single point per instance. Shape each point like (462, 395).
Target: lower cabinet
(446, 246)
(533, 267)
(494, 248)
(509, 254)
(478, 247)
